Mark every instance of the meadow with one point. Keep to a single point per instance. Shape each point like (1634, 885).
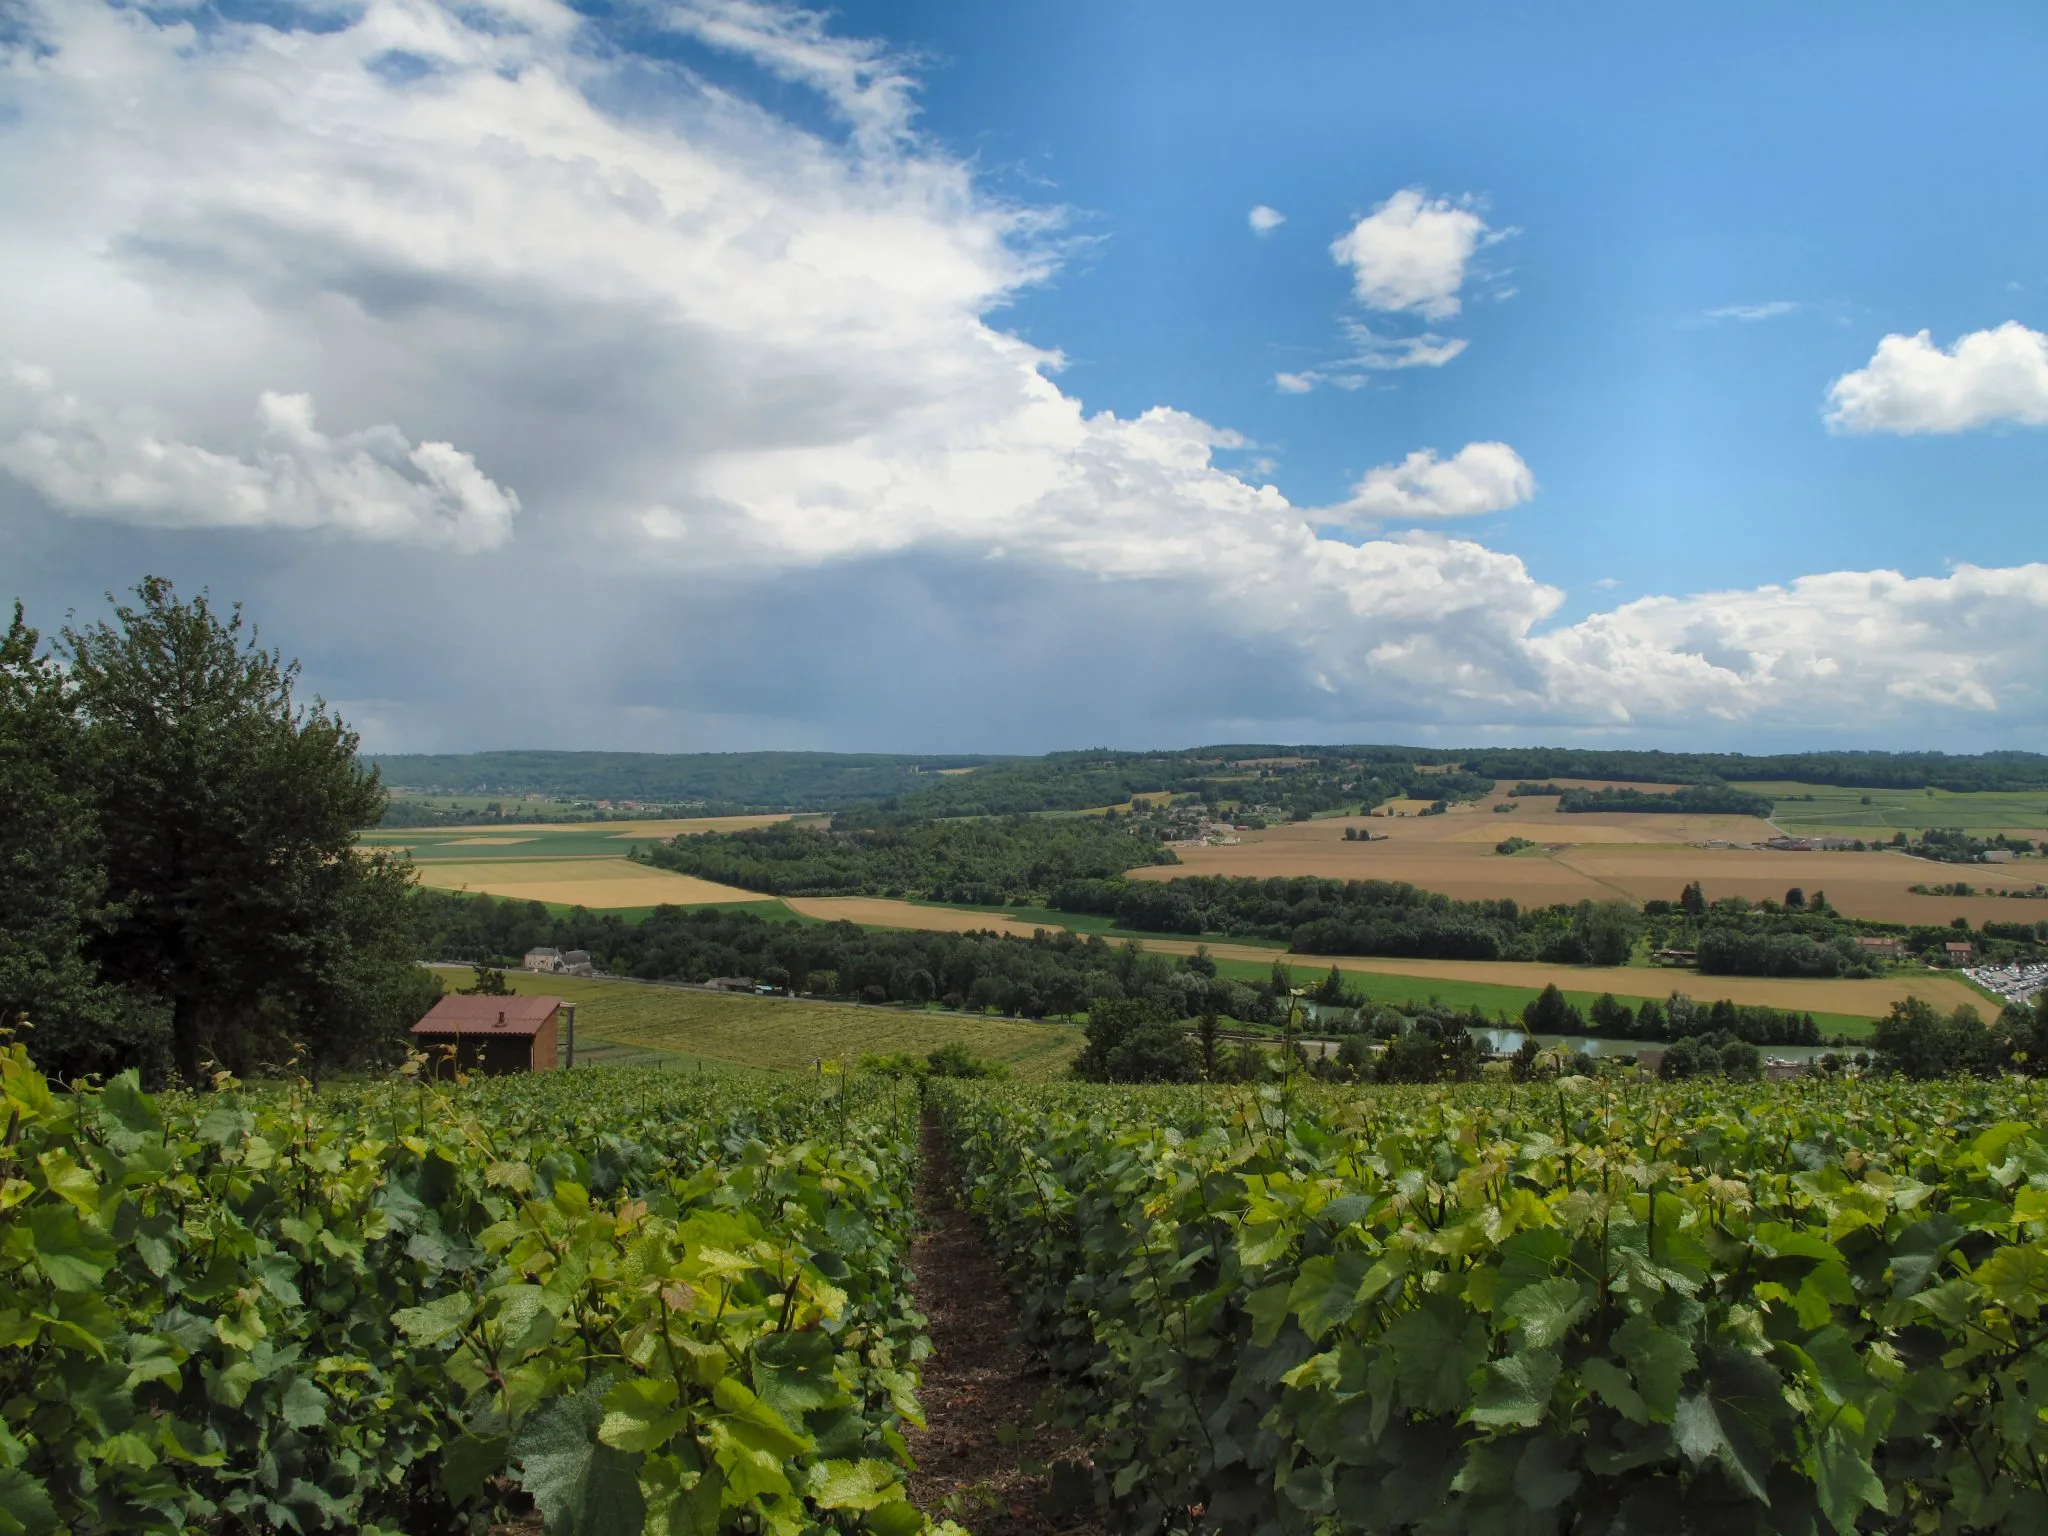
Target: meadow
(1824, 810)
(1461, 993)
(633, 1021)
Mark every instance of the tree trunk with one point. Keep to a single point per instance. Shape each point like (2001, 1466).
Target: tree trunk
(185, 1041)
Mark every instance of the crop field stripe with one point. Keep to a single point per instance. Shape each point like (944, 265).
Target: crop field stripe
(591, 882)
(1865, 999)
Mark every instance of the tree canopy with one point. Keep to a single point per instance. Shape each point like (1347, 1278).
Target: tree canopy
(185, 889)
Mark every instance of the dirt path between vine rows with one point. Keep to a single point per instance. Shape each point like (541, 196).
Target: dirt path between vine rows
(981, 1459)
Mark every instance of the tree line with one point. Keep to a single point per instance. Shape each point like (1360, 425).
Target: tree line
(1302, 775)
(1676, 1018)
(180, 887)
(709, 782)
(1686, 800)
(1054, 974)
(1011, 861)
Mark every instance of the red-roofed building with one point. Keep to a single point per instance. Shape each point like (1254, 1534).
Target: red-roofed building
(499, 1034)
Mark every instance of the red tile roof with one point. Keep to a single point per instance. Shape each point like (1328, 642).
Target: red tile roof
(488, 1016)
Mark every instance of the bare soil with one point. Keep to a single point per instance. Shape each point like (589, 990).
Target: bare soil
(983, 1458)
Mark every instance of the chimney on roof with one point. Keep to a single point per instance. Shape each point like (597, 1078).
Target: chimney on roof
(501, 1015)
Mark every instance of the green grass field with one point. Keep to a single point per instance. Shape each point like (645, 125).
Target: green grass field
(628, 1021)
(1864, 812)
(1075, 922)
(1490, 998)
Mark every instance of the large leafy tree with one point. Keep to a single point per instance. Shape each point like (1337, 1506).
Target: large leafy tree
(1131, 1040)
(51, 881)
(227, 812)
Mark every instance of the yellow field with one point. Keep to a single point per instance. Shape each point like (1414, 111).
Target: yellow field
(673, 826)
(786, 1034)
(1867, 999)
(1600, 855)
(878, 912)
(581, 882)
(693, 825)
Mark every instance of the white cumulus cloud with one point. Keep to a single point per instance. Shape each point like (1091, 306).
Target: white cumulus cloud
(1478, 478)
(372, 484)
(1913, 386)
(1411, 253)
(1264, 220)
(1844, 650)
(773, 457)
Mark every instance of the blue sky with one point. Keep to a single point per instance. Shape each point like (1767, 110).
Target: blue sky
(1866, 163)
(722, 374)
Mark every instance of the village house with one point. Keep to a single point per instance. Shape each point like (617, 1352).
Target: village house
(559, 962)
(1959, 950)
(497, 1035)
(1882, 949)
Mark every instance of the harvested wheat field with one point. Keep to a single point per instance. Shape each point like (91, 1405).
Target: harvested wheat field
(1874, 885)
(1600, 855)
(595, 883)
(690, 827)
(879, 912)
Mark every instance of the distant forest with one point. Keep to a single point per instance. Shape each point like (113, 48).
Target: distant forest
(994, 862)
(771, 781)
(1289, 779)
(1686, 800)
